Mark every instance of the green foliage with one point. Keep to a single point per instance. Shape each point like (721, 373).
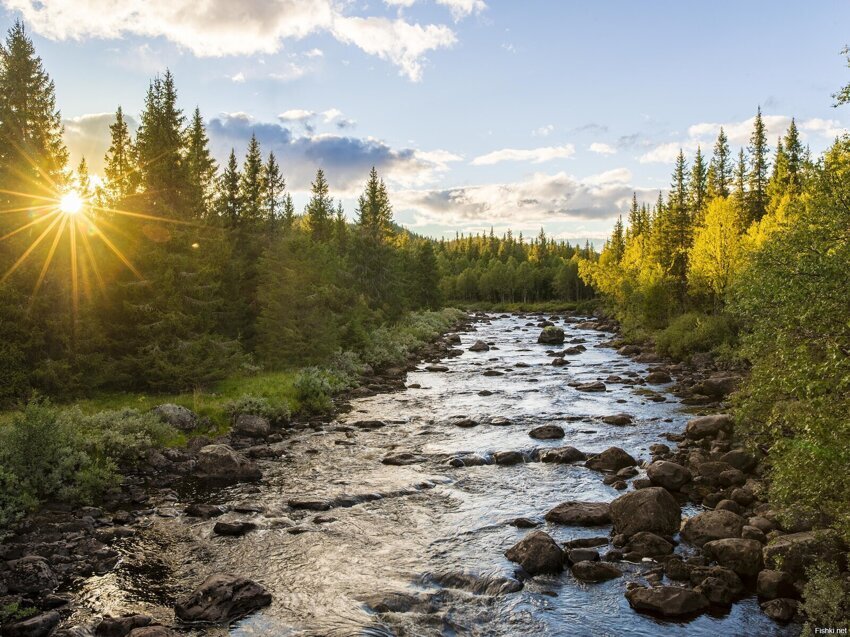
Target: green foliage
(313, 390)
(826, 600)
(15, 612)
(277, 411)
(693, 332)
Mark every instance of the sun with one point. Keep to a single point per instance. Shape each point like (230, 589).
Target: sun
(71, 203)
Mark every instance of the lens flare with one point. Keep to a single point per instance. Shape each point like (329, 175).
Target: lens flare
(71, 203)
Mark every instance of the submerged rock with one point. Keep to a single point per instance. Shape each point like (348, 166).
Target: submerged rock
(547, 432)
(597, 386)
(589, 571)
(479, 346)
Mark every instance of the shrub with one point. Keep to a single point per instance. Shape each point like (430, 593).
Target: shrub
(826, 599)
(123, 435)
(274, 411)
(693, 332)
(313, 390)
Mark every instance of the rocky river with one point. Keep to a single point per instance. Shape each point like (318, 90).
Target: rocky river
(394, 519)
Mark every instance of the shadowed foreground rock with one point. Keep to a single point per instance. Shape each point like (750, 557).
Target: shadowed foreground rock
(537, 553)
(652, 509)
(712, 525)
(221, 599)
(220, 462)
(669, 601)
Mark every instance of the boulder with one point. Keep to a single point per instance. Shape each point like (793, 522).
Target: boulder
(561, 455)
(507, 457)
(669, 601)
(551, 335)
(708, 426)
(669, 475)
(612, 459)
(152, 631)
(739, 459)
(547, 432)
(658, 378)
(646, 544)
(794, 552)
(716, 591)
(206, 511)
(220, 462)
(251, 426)
(580, 513)
(780, 610)
(698, 574)
(582, 555)
(222, 598)
(597, 386)
(652, 509)
(40, 625)
(402, 458)
(177, 416)
(31, 575)
(740, 555)
(712, 525)
(537, 553)
(121, 626)
(479, 346)
(717, 386)
(773, 584)
(589, 571)
(618, 420)
(233, 529)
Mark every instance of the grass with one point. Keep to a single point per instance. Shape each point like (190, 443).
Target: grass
(539, 306)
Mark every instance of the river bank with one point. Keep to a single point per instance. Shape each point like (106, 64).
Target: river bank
(394, 517)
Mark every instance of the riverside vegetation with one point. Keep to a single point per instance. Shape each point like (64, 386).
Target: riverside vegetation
(182, 286)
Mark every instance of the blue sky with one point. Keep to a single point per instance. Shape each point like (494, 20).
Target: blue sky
(477, 112)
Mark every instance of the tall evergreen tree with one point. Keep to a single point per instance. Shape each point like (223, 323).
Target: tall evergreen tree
(200, 169)
(698, 186)
(796, 155)
(719, 176)
(229, 201)
(319, 210)
(288, 219)
(758, 175)
(251, 187)
(121, 171)
(274, 189)
(739, 192)
(374, 212)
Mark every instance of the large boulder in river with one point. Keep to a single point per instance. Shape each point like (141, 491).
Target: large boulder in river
(669, 475)
(547, 432)
(551, 335)
(712, 525)
(794, 552)
(537, 553)
(738, 554)
(612, 459)
(479, 346)
(561, 455)
(580, 513)
(251, 426)
(591, 571)
(645, 544)
(177, 416)
(652, 509)
(708, 426)
(669, 601)
(222, 598)
(220, 462)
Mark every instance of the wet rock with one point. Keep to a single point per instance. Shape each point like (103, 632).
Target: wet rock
(220, 462)
(618, 420)
(436, 368)
(551, 335)
(580, 513)
(588, 571)
(475, 583)
(402, 458)
(507, 457)
(739, 459)
(499, 421)
(612, 459)
(152, 631)
(479, 346)
(597, 386)
(40, 625)
(582, 555)
(205, 511)
(469, 460)
(780, 610)
(669, 601)
(708, 426)
(699, 573)
(251, 426)
(586, 542)
(523, 523)
(573, 351)
(658, 378)
(177, 416)
(669, 475)
(752, 533)
(233, 529)
(121, 626)
(716, 591)
(717, 386)
(464, 422)
(537, 553)
(712, 525)
(31, 574)
(493, 372)
(369, 425)
(676, 569)
(742, 556)
(772, 584)
(309, 504)
(646, 544)
(546, 432)
(221, 599)
(652, 509)
(559, 362)
(561, 455)
(794, 552)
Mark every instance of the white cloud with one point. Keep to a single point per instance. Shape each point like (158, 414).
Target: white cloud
(239, 78)
(533, 155)
(543, 131)
(88, 136)
(296, 115)
(314, 53)
(542, 198)
(601, 148)
(223, 27)
(459, 8)
(331, 114)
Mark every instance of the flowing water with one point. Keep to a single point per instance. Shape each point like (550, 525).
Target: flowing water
(426, 529)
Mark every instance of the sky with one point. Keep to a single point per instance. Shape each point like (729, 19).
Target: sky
(478, 113)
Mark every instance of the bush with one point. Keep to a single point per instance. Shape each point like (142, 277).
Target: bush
(313, 390)
(693, 332)
(826, 599)
(123, 435)
(274, 411)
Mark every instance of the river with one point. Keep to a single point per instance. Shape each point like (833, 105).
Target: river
(421, 523)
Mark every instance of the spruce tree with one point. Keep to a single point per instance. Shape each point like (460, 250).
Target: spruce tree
(274, 187)
(739, 192)
(288, 219)
(719, 176)
(120, 170)
(251, 187)
(426, 277)
(229, 198)
(758, 175)
(200, 169)
(698, 187)
(319, 210)
(796, 156)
